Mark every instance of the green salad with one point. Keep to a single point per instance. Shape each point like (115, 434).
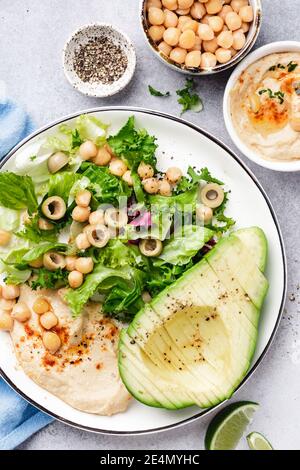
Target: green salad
(91, 212)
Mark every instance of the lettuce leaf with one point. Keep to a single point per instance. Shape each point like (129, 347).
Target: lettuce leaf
(194, 178)
(15, 276)
(41, 249)
(9, 219)
(60, 184)
(91, 128)
(17, 192)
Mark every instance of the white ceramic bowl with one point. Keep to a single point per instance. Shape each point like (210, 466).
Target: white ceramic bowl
(251, 39)
(275, 47)
(82, 36)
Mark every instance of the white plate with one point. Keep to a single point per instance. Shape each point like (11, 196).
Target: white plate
(181, 144)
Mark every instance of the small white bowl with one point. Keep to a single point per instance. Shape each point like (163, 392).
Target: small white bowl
(273, 48)
(81, 37)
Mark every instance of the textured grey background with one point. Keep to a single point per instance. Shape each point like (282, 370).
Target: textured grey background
(32, 35)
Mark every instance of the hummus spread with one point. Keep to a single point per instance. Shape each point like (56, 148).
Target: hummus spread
(84, 371)
(265, 106)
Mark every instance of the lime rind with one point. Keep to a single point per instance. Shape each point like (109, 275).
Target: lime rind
(256, 441)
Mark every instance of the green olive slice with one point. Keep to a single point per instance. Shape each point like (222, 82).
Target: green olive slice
(54, 208)
(212, 195)
(53, 261)
(151, 247)
(98, 235)
(115, 218)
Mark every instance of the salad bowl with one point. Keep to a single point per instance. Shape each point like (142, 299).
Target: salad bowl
(175, 138)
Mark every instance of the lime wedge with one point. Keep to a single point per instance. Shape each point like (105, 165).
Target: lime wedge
(228, 427)
(257, 441)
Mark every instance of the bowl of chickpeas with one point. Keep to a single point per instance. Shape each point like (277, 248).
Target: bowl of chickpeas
(201, 37)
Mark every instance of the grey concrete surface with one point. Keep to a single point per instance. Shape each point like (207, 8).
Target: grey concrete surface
(32, 35)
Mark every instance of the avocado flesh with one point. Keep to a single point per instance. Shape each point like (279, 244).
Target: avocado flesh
(195, 341)
(256, 243)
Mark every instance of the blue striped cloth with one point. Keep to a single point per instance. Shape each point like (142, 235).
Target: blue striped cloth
(18, 419)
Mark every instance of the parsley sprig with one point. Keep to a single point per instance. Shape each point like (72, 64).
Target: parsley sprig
(155, 92)
(188, 99)
(277, 95)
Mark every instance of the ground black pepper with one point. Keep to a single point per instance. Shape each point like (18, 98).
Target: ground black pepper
(100, 60)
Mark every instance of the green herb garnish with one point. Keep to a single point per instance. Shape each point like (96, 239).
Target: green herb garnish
(278, 94)
(76, 139)
(49, 279)
(155, 92)
(292, 66)
(32, 158)
(188, 100)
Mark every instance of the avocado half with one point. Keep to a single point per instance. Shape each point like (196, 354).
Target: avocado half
(193, 344)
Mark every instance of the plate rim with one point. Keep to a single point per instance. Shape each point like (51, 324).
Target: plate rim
(225, 147)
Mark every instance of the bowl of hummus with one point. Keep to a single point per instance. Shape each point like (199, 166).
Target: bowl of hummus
(262, 106)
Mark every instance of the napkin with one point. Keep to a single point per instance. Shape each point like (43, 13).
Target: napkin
(18, 419)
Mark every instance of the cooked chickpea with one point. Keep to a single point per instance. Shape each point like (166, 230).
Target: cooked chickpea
(5, 237)
(37, 263)
(103, 157)
(41, 305)
(145, 171)
(21, 312)
(10, 292)
(45, 225)
(70, 262)
(151, 185)
(82, 242)
(233, 21)
(239, 40)
(236, 5)
(6, 322)
(165, 189)
(75, 279)
(205, 19)
(245, 27)
(225, 39)
(178, 54)
(193, 25)
(128, 178)
(81, 214)
(153, 3)
(88, 150)
(156, 16)
(210, 46)
(204, 213)
(205, 32)
(182, 21)
(216, 23)
(7, 305)
(164, 48)
(233, 52)
(83, 198)
(170, 4)
(173, 174)
(223, 55)
(225, 10)
(84, 265)
(171, 36)
(51, 341)
(171, 19)
(117, 167)
(183, 12)
(197, 11)
(187, 39)
(246, 14)
(97, 217)
(198, 44)
(156, 33)
(48, 320)
(214, 6)
(193, 59)
(185, 3)
(208, 60)
(146, 297)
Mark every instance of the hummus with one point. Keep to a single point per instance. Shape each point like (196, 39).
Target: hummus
(84, 371)
(265, 106)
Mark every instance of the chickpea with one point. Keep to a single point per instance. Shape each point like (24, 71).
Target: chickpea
(82, 242)
(10, 292)
(245, 27)
(37, 263)
(208, 60)
(81, 214)
(88, 150)
(183, 12)
(187, 39)
(7, 305)
(75, 279)
(233, 52)
(146, 297)
(45, 225)
(233, 21)
(156, 33)
(165, 189)
(173, 174)
(70, 262)
(223, 55)
(205, 19)
(83, 198)
(164, 48)
(216, 23)
(21, 312)
(117, 167)
(84, 265)
(205, 32)
(170, 4)
(225, 39)
(153, 3)
(193, 25)
(151, 185)
(193, 59)
(145, 171)
(97, 217)
(51, 341)
(182, 21)
(103, 157)
(214, 6)
(204, 213)
(5, 237)
(236, 5)
(198, 44)
(210, 46)
(41, 305)
(239, 40)
(171, 36)
(156, 16)
(6, 322)
(171, 19)
(48, 320)
(128, 178)
(246, 14)
(178, 54)
(185, 3)
(197, 11)
(225, 10)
